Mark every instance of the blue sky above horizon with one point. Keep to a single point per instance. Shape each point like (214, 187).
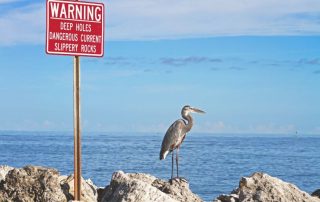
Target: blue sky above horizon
(253, 66)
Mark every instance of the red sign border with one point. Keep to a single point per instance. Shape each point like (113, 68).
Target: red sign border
(69, 53)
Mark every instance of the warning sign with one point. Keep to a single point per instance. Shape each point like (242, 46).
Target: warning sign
(75, 28)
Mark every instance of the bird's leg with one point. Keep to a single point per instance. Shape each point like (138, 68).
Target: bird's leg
(172, 167)
(177, 161)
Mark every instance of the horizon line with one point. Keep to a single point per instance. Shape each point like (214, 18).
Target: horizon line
(157, 133)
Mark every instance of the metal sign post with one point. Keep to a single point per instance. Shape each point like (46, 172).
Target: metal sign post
(77, 129)
(75, 28)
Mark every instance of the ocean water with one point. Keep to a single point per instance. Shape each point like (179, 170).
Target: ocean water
(213, 164)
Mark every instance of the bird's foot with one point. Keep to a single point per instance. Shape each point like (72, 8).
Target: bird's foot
(178, 179)
(182, 179)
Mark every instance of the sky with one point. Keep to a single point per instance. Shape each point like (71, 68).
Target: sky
(253, 66)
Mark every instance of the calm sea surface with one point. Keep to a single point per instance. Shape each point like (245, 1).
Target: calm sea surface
(212, 164)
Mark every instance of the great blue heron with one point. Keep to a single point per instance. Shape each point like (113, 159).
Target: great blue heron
(176, 134)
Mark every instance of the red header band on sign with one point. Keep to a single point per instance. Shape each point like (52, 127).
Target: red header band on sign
(75, 28)
(77, 12)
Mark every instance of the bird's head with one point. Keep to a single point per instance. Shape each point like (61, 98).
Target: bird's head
(188, 109)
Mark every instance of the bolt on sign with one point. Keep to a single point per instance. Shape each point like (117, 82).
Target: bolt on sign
(75, 28)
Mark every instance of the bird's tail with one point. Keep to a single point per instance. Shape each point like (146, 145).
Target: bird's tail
(163, 154)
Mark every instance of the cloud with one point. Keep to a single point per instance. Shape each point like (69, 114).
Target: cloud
(261, 128)
(126, 127)
(304, 16)
(118, 61)
(188, 60)
(214, 127)
(7, 1)
(271, 128)
(316, 130)
(23, 25)
(214, 69)
(170, 61)
(147, 70)
(163, 88)
(317, 72)
(36, 125)
(187, 18)
(293, 63)
(155, 19)
(304, 61)
(237, 68)
(145, 64)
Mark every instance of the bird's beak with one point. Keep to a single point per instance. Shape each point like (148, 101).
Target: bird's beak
(197, 110)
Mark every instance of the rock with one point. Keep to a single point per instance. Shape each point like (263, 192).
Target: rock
(227, 198)
(179, 190)
(32, 183)
(261, 187)
(316, 193)
(35, 183)
(144, 188)
(88, 189)
(3, 171)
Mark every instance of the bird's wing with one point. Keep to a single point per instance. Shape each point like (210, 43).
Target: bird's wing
(171, 138)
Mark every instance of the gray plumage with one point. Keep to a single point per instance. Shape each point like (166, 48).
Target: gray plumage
(176, 133)
(173, 137)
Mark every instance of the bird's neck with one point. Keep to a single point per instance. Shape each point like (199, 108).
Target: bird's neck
(190, 122)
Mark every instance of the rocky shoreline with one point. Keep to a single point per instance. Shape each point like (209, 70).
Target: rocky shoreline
(35, 183)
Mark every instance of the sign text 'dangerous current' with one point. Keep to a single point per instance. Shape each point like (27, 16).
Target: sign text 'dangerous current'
(75, 28)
